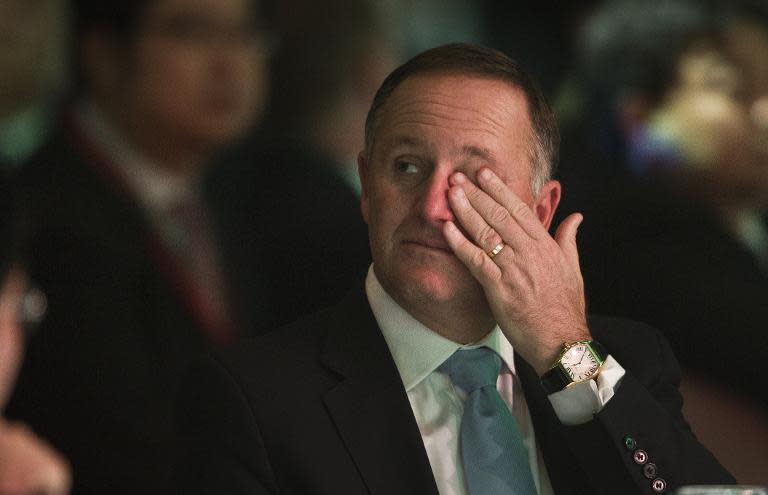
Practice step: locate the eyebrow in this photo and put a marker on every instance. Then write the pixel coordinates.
(477, 152)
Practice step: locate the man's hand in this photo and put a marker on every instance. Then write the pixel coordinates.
(28, 466)
(533, 285)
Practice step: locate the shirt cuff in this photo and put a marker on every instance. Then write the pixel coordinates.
(577, 404)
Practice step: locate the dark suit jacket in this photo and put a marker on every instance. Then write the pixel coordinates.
(319, 408)
(100, 375)
(669, 261)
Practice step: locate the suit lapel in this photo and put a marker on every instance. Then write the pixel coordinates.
(370, 407)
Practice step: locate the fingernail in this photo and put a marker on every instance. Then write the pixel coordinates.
(486, 174)
(459, 178)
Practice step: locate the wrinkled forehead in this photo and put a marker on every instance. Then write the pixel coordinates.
(489, 98)
(471, 114)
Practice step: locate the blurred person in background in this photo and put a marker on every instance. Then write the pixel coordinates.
(32, 37)
(123, 242)
(330, 59)
(539, 35)
(28, 465)
(678, 189)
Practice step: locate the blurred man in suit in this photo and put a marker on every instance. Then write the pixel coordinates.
(123, 244)
(674, 117)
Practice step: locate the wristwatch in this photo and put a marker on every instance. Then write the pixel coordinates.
(580, 361)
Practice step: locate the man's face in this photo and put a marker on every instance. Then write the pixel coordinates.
(197, 69)
(431, 127)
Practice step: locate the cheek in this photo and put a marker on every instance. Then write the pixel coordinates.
(380, 225)
(383, 224)
(170, 84)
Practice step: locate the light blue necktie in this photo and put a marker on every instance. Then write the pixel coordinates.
(492, 450)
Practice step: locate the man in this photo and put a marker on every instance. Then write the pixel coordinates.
(684, 188)
(122, 245)
(372, 396)
(671, 91)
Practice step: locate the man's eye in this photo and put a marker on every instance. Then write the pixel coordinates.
(407, 167)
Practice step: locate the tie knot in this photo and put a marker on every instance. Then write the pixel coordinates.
(472, 369)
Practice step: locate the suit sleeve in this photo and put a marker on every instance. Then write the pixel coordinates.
(219, 446)
(640, 439)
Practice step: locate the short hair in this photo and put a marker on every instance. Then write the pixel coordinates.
(121, 17)
(472, 60)
(118, 19)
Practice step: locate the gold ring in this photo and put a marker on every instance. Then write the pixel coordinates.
(496, 250)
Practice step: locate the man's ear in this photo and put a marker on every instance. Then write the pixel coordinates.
(363, 171)
(547, 201)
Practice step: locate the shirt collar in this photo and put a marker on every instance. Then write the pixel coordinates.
(156, 188)
(417, 350)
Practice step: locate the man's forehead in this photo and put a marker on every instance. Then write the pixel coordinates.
(449, 83)
(478, 117)
(468, 103)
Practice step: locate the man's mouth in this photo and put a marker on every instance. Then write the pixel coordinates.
(435, 244)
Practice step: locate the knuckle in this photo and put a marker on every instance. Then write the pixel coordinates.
(477, 259)
(497, 186)
(488, 236)
(472, 193)
(521, 210)
(498, 214)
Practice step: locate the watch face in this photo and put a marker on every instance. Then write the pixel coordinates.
(579, 363)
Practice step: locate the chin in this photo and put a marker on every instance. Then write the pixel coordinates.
(435, 284)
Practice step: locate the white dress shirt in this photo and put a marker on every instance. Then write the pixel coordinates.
(438, 405)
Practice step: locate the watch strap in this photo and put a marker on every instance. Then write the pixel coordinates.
(555, 380)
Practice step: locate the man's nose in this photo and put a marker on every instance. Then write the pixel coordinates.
(434, 205)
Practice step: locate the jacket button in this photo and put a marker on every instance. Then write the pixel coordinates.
(659, 485)
(629, 443)
(649, 470)
(640, 457)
